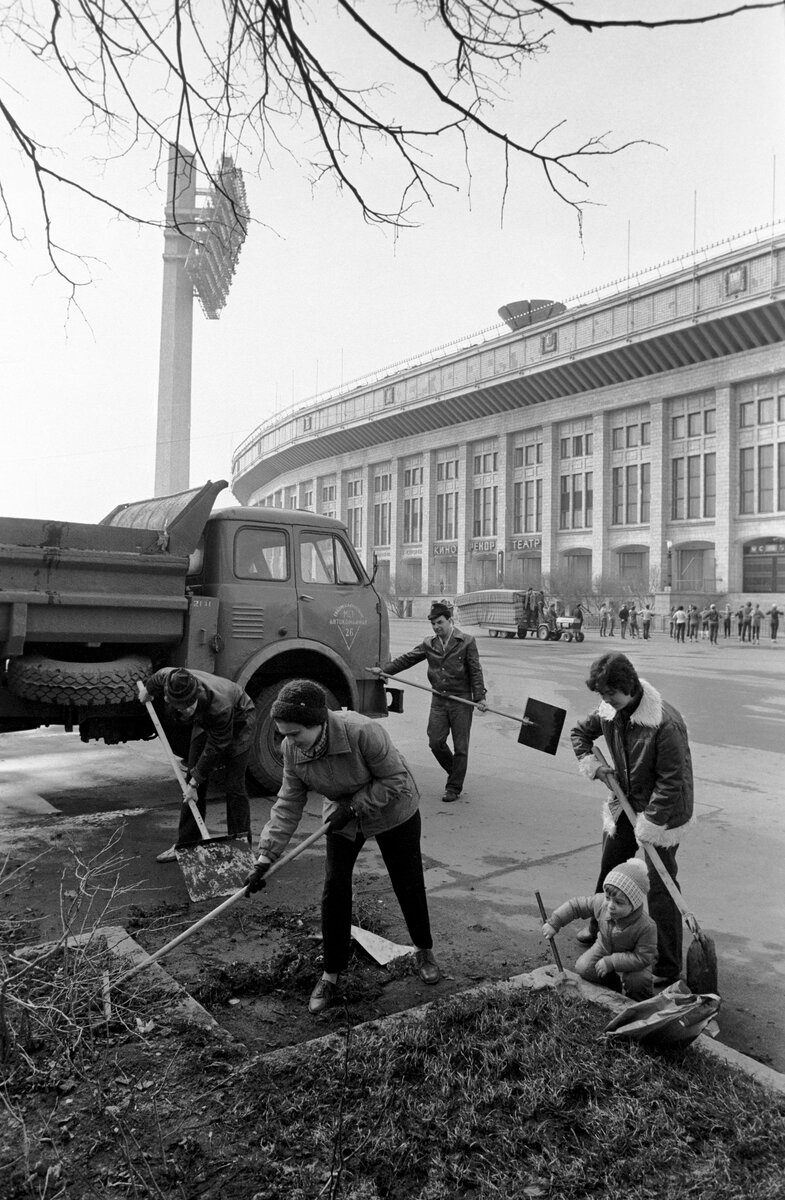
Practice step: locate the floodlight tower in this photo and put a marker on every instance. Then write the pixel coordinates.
(203, 234)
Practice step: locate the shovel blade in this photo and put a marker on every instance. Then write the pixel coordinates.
(542, 726)
(215, 867)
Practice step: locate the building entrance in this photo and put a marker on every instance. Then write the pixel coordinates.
(764, 565)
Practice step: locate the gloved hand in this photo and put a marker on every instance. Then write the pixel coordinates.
(190, 793)
(341, 817)
(255, 881)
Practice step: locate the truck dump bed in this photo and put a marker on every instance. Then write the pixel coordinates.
(121, 580)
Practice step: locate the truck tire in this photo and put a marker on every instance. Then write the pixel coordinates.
(265, 763)
(54, 681)
(543, 633)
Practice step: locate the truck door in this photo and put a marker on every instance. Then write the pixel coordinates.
(337, 603)
(259, 601)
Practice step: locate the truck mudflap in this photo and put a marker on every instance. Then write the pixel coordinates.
(377, 699)
(180, 519)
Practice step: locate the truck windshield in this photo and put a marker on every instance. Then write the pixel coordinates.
(325, 559)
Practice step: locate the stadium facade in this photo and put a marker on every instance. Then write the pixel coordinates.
(635, 433)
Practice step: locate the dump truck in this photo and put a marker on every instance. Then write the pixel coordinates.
(256, 595)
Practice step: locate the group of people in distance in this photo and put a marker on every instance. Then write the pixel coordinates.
(691, 623)
(634, 929)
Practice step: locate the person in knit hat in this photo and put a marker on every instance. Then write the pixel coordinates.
(453, 670)
(368, 791)
(625, 949)
(222, 718)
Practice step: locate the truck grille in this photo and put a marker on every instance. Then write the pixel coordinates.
(248, 622)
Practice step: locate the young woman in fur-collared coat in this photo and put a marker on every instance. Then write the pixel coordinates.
(647, 739)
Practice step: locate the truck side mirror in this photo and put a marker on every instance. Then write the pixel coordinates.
(375, 561)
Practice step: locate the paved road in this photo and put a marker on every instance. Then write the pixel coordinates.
(527, 822)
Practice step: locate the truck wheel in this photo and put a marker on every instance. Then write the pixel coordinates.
(543, 633)
(265, 763)
(53, 681)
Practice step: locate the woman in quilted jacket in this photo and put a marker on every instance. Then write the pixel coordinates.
(648, 743)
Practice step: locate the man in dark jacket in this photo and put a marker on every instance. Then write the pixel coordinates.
(453, 670)
(222, 716)
(648, 743)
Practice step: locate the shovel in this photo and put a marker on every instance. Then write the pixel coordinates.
(540, 726)
(215, 912)
(702, 954)
(216, 866)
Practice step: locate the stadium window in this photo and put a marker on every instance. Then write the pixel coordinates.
(746, 480)
(746, 414)
(766, 411)
(710, 420)
(694, 422)
(677, 428)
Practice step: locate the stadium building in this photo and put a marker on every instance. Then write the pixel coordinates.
(632, 434)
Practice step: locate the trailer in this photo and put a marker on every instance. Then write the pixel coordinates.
(503, 613)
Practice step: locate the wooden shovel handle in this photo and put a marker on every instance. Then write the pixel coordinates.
(178, 770)
(554, 948)
(460, 699)
(647, 847)
(238, 895)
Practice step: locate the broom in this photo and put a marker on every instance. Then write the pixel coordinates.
(702, 955)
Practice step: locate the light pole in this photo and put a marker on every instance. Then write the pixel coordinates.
(669, 584)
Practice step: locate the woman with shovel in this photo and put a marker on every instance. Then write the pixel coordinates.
(647, 740)
(453, 671)
(368, 791)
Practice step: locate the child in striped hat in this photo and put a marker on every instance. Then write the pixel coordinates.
(625, 949)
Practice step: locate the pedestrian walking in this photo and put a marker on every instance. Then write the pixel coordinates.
(624, 616)
(646, 616)
(713, 622)
(757, 621)
(222, 718)
(774, 615)
(453, 670)
(368, 791)
(650, 753)
(672, 621)
(625, 948)
(680, 623)
(746, 622)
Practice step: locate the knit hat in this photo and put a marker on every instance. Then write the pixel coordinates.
(181, 688)
(632, 879)
(302, 702)
(439, 609)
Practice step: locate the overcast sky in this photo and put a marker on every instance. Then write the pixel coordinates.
(320, 297)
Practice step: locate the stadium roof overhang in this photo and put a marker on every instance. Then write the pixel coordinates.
(641, 357)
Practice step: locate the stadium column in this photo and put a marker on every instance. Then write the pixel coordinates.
(550, 497)
(728, 573)
(658, 490)
(465, 499)
(396, 522)
(601, 500)
(503, 567)
(427, 534)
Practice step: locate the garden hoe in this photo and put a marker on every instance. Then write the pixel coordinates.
(702, 954)
(216, 866)
(540, 726)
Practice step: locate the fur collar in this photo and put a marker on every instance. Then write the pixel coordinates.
(648, 712)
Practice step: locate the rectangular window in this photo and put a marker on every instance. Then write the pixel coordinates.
(564, 503)
(407, 478)
(308, 499)
(746, 480)
(577, 501)
(564, 448)
(261, 554)
(746, 414)
(781, 408)
(646, 433)
(577, 446)
(781, 477)
(645, 493)
(766, 411)
(381, 524)
(533, 506)
(517, 508)
(677, 428)
(589, 440)
(632, 495)
(694, 486)
(328, 494)
(589, 506)
(766, 479)
(538, 504)
(617, 500)
(617, 439)
(382, 483)
(633, 435)
(517, 456)
(710, 485)
(439, 471)
(677, 489)
(710, 420)
(486, 511)
(694, 422)
(354, 522)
